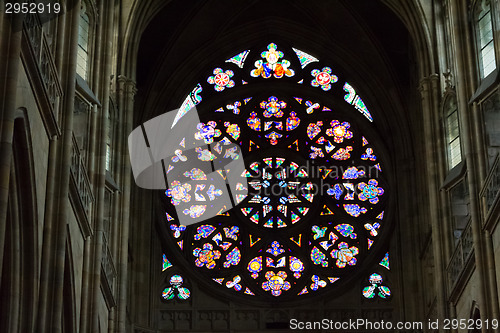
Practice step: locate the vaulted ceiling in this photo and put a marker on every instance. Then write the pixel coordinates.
(363, 40)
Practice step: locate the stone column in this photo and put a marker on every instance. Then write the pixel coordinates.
(66, 146)
(127, 92)
(102, 86)
(118, 144)
(86, 277)
(428, 90)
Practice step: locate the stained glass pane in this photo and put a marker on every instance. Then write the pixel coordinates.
(166, 263)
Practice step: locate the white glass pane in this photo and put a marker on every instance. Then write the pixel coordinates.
(452, 126)
(81, 63)
(485, 31)
(455, 153)
(488, 59)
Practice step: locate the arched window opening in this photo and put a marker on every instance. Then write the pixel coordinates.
(452, 128)
(19, 277)
(484, 35)
(82, 64)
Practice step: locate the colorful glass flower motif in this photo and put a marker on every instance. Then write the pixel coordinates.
(276, 283)
(354, 209)
(318, 257)
(273, 107)
(176, 286)
(372, 228)
(292, 122)
(323, 78)
(346, 230)
(342, 154)
(336, 191)
(207, 132)
(339, 131)
(205, 155)
(231, 153)
(317, 283)
(370, 191)
(178, 156)
(311, 107)
(206, 256)
(273, 137)
(203, 231)
(314, 129)
(275, 249)
(177, 229)
(235, 107)
(195, 174)
(376, 283)
(221, 79)
(233, 258)
(296, 266)
(233, 130)
(316, 152)
(353, 173)
(345, 255)
(235, 283)
(254, 122)
(213, 193)
(318, 232)
(195, 211)
(232, 232)
(255, 266)
(272, 65)
(179, 192)
(369, 155)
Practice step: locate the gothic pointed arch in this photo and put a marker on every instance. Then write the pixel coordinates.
(20, 265)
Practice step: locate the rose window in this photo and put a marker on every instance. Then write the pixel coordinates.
(315, 211)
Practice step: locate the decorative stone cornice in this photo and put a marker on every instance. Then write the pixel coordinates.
(423, 85)
(126, 85)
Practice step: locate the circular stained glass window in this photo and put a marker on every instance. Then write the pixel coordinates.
(307, 212)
